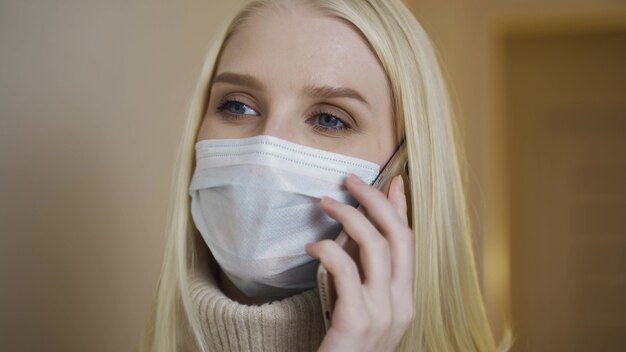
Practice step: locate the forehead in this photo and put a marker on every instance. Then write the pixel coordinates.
(301, 47)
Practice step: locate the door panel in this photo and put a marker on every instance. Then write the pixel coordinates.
(566, 120)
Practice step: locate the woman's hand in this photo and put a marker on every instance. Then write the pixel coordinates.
(374, 314)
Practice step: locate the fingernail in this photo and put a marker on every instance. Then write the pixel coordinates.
(355, 180)
(308, 247)
(328, 200)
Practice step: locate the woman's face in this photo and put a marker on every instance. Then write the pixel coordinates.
(304, 78)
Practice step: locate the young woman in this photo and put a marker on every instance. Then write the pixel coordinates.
(299, 105)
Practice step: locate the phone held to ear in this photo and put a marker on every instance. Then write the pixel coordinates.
(328, 296)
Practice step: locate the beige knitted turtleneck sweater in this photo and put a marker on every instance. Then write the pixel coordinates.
(291, 324)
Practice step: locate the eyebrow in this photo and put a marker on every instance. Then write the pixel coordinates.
(334, 92)
(318, 92)
(240, 80)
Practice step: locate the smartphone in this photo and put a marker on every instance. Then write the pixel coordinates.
(397, 164)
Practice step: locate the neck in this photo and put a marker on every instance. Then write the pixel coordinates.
(232, 292)
(228, 287)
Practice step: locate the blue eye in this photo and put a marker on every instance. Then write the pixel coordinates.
(236, 109)
(329, 121)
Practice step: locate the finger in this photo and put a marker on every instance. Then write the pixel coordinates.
(385, 216)
(344, 271)
(402, 306)
(397, 197)
(373, 247)
(378, 208)
(403, 250)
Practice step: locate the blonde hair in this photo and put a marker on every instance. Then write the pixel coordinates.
(449, 311)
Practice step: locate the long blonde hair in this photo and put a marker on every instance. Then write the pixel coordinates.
(450, 314)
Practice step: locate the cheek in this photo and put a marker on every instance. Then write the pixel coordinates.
(209, 129)
(204, 132)
(385, 149)
(212, 127)
(379, 143)
(376, 147)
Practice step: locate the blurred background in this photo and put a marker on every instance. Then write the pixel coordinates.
(92, 99)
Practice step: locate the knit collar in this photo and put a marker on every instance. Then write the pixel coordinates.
(291, 324)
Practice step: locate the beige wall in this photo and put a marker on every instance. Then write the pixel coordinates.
(92, 97)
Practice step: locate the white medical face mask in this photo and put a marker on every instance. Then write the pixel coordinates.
(255, 202)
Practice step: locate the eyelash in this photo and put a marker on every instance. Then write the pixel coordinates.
(322, 129)
(328, 130)
(227, 114)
